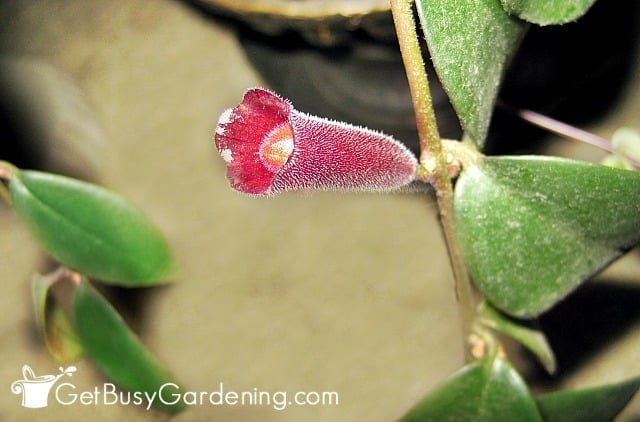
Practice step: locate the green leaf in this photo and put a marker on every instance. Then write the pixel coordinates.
(485, 390)
(116, 350)
(547, 12)
(531, 338)
(90, 229)
(470, 42)
(596, 404)
(58, 334)
(531, 229)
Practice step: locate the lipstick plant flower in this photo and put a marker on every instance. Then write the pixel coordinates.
(270, 147)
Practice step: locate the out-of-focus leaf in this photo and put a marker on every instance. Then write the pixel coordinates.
(53, 323)
(116, 350)
(547, 12)
(531, 229)
(90, 229)
(470, 42)
(627, 142)
(627, 145)
(485, 390)
(617, 161)
(595, 404)
(531, 338)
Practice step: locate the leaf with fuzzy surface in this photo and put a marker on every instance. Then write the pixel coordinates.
(470, 42)
(532, 229)
(548, 12)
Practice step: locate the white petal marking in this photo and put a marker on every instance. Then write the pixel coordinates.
(227, 156)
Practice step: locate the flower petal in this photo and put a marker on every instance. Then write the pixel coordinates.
(242, 133)
(270, 147)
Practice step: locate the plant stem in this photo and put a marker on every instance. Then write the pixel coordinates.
(565, 130)
(432, 158)
(568, 131)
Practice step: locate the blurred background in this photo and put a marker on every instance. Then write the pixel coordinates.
(305, 291)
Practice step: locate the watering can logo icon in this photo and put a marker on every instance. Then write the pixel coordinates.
(35, 389)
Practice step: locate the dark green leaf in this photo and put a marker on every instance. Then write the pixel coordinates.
(588, 405)
(486, 390)
(57, 332)
(90, 229)
(532, 228)
(531, 338)
(116, 350)
(547, 12)
(470, 42)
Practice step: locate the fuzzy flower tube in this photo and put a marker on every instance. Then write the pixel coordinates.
(270, 147)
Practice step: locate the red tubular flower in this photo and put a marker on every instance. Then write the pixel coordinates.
(270, 147)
